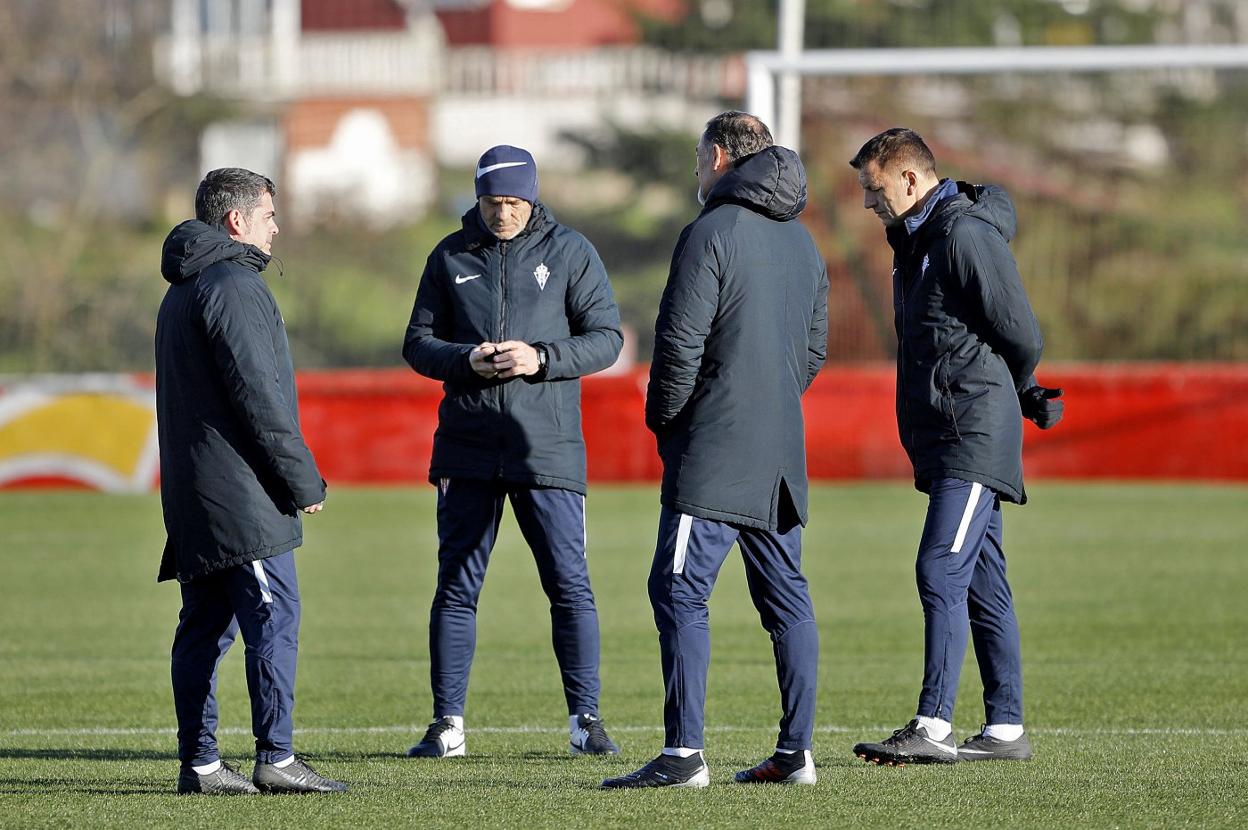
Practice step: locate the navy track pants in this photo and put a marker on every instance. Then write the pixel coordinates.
(961, 577)
(687, 560)
(261, 600)
(552, 522)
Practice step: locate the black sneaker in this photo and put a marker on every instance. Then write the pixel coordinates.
(295, 777)
(909, 745)
(664, 771)
(443, 739)
(225, 781)
(589, 737)
(781, 768)
(983, 748)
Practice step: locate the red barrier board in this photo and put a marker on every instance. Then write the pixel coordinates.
(1163, 421)
(1128, 421)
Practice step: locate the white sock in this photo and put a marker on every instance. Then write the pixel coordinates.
(458, 720)
(208, 769)
(1004, 731)
(285, 762)
(937, 729)
(680, 751)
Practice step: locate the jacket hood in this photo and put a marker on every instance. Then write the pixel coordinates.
(771, 182)
(985, 202)
(477, 234)
(194, 245)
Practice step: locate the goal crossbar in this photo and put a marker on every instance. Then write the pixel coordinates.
(763, 67)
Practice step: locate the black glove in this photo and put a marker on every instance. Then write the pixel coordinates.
(1041, 406)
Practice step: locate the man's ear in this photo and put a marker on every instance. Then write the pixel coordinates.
(912, 178)
(234, 225)
(719, 158)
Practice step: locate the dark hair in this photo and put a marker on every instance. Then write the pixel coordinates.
(739, 133)
(897, 145)
(230, 188)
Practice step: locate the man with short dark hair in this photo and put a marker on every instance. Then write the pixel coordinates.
(968, 344)
(512, 310)
(234, 475)
(741, 334)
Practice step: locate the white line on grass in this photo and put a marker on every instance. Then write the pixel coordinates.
(537, 730)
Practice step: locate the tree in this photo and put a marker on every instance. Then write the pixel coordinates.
(78, 95)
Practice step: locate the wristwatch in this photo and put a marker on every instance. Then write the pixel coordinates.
(543, 361)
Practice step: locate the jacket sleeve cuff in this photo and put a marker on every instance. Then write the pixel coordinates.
(308, 496)
(544, 357)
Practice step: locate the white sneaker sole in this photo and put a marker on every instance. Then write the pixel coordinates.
(702, 778)
(804, 776)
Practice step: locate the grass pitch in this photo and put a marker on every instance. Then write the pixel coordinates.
(1132, 601)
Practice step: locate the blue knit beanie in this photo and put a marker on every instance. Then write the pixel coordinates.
(507, 171)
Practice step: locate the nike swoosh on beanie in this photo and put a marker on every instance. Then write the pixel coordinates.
(481, 171)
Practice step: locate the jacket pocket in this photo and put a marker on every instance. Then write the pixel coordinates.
(948, 406)
(464, 415)
(556, 394)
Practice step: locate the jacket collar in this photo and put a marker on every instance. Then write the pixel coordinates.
(946, 188)
(771, 182)
(477, 235)
(192, 246)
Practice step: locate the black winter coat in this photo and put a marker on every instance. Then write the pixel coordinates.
(968, 342)
(547, 286)
(741, 333)
(234, 468)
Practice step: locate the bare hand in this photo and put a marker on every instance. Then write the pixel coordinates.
(480, 360)
(515, 358)
(314, 508)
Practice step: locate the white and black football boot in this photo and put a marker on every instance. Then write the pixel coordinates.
(443, 739)
(588, 737)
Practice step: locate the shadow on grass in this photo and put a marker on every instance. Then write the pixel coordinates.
(80, 754)
(43, 787)
(531, 756)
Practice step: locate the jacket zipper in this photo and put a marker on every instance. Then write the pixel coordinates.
(502, 312)
(901, 341)
(502, 335)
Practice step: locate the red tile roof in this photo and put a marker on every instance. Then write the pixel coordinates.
(346, 15)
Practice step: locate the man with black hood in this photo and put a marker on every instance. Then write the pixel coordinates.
(741, 334)
(968, 344)
(234, 475)
(512, 310)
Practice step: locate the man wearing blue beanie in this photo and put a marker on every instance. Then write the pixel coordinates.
(512, 310)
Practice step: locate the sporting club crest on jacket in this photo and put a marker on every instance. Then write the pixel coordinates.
(541, 274)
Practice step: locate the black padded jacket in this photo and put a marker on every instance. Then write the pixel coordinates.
(546, 285)
(968, 342)
(234, 468)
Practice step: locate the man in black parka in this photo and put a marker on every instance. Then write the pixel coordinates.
(741, 333)
(512, 310)
(968, 344)
(234, 475)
